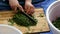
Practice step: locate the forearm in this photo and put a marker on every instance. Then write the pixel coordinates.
(28, 1)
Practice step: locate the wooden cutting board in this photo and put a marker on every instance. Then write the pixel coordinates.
(41, 26)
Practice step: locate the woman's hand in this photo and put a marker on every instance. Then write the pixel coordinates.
(29, 8)
(14, 5)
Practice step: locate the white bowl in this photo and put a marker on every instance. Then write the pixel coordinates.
(6, 29)
(52, 13)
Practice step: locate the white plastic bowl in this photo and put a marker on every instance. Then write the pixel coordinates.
(6, 29)
(52, 13)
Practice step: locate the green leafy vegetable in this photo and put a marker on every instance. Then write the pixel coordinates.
(22, 20)
(41, 15)
(56, 23)
(11, 22)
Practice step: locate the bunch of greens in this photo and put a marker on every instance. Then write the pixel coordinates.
(56, 23)
(22, 20)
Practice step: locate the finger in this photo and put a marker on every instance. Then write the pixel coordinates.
(32, 10)
(25, 8)
(20, 8)
(14, 8)
(28, 10)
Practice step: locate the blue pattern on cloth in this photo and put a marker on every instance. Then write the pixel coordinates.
(44, 4)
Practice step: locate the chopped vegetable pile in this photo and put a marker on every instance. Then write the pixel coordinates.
(22, 20)
(56, 23)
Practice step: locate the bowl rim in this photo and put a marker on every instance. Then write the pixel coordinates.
(47, 16)
(11, 27)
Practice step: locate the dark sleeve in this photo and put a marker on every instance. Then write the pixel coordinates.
(4, 5)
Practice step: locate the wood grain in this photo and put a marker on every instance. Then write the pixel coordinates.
(41, 26)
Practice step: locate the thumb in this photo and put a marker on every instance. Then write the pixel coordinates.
(14, 8)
